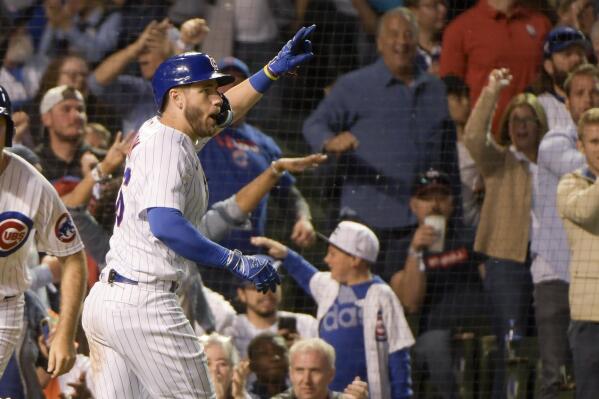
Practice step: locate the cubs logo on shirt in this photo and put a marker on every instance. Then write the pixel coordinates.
(14, 231)
(65, 229)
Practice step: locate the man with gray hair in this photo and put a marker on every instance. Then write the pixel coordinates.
(385, 123)
(311, 370)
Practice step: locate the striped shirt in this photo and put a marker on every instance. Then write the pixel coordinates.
(162, 170)
(30, 209)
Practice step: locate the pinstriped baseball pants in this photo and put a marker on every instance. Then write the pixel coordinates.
(11, 325)
(142, 345)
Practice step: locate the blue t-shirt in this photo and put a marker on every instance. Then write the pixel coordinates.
(231, 160)
(342, 327)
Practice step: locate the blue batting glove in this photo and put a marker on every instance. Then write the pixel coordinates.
(297, 51)
(257, 268)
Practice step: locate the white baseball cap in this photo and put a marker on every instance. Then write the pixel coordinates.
(58, 94)
(355, 239)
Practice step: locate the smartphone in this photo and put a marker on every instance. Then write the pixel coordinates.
(288, 323)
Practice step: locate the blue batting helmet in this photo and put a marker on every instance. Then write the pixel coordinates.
(6, 112)
(185, 69)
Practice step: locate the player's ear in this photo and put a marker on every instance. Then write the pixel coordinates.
(176, 97)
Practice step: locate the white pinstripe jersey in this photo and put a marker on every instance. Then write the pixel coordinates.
(162, 170)
(30, 209)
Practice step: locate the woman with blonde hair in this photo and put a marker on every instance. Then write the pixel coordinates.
(508, 167)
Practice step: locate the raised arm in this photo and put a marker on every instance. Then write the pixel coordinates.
(224, 215)
(246, 94)
(477, 137)
(115, 156)
(153, 35)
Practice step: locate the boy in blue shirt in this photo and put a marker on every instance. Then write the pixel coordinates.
(358, 313)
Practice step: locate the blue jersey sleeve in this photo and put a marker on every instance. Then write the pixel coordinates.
(400, 374)
(300, 269)
(170, 227)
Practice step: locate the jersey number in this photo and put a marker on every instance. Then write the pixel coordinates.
(120, 200)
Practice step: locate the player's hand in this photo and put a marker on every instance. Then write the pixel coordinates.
(297, 165)
(424, 237)
(194, 31)
(62, 355)
(498, 80)
(297, 51)
(343, 142)
(358, 389)
(256, 268)
(274, 248)
(303, 234)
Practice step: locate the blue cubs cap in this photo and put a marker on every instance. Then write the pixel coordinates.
(561, 38)
(184, 69)
(234, 63)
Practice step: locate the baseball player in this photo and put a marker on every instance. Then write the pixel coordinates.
(31, 209)
(141, 343)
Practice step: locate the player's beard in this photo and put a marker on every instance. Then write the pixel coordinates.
(195, 118)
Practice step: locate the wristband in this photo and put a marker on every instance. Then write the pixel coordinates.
(414, 253)
(271, 75)
(98, 175)
(277, 172)
(262, 80)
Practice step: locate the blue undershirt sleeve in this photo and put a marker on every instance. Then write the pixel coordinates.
(300, 269)
(174, 231)
(400, 374)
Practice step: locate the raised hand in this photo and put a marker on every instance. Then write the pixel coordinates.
(274, 248)
(498, 80)
(297, 51)
(303, 233)
(296, 165)
(193, 31)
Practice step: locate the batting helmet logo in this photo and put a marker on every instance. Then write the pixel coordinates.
(14, 231)
(65, 229)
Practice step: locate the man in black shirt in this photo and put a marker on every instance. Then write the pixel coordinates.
(63, 114)
(439, 278)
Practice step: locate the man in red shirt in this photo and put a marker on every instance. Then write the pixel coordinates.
(495, 34)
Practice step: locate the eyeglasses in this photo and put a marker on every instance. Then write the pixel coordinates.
(527, 120)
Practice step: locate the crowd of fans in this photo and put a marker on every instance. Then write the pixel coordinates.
(444, 130)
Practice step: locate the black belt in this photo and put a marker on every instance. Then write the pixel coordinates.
(114, 277)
